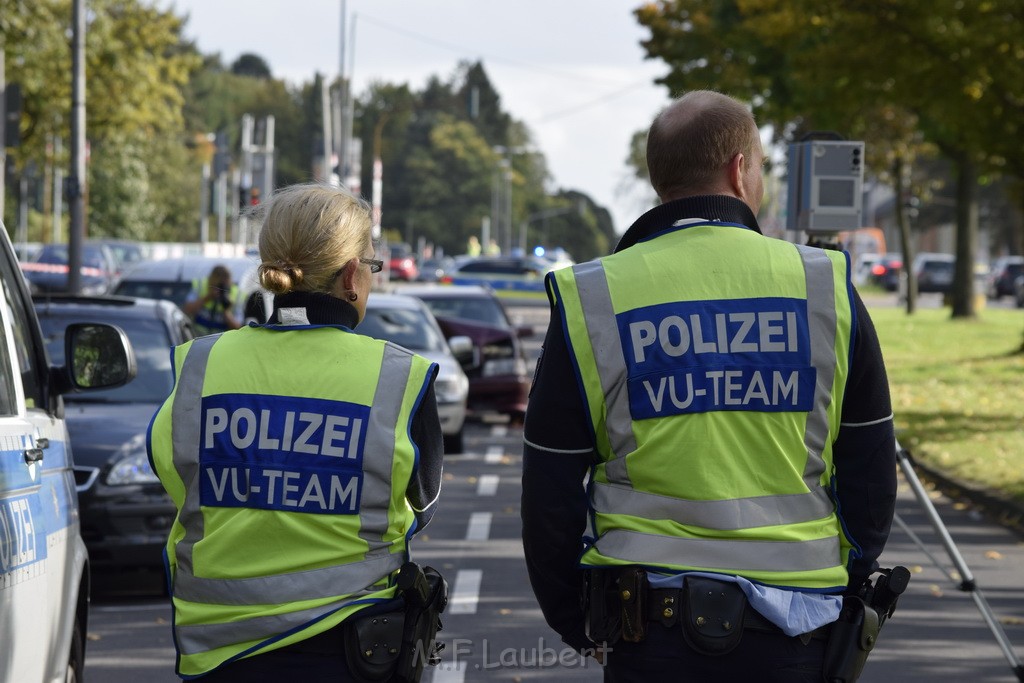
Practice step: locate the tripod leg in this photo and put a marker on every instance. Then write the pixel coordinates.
(967, 582)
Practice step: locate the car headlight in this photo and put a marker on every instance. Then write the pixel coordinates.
(504, 366)
(94, 289)
(451, 389)
(134, 469)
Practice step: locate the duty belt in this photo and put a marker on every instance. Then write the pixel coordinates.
(664, 605)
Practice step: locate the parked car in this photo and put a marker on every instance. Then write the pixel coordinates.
(125, 513)
(1002, 275)
(934, 272)
(406, 321)
(402, 263)
(886, 272)
(862, 268)
(48, 272)
(507, 276)
(44, 565)
(126, 252)
(433, 269)
(172, 278)
(499, 381)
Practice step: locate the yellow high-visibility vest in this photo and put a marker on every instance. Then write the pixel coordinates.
(713, 362)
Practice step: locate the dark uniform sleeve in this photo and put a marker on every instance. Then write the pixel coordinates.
(425, 485)
(865, 452)
(557, 455)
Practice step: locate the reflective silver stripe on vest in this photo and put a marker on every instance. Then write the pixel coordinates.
(767, 556)
(297, 586)
(375, 497)
(618, 496)
(599, 318)
(821, 314)
(197, 639)
(740, 513)
(186, 419)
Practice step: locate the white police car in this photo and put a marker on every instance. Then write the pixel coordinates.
(44, 574)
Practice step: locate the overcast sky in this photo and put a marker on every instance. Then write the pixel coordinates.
(572, 70)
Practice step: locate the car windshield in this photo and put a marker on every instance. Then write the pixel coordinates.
(477, 309)
(57, 254)
(176, 292)
(403, 326)
(150, 342)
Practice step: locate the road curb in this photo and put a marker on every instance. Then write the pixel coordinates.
(995, 506)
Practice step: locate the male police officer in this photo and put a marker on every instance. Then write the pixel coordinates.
(211, 302)
(726, 394)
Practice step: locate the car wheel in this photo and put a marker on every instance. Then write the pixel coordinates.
(454, 443)
(76, 658)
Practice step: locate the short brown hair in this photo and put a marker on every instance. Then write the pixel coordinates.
(692, 138)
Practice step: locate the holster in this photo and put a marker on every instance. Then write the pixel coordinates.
(426, 595)
(713, 616)
(633, 600)
(601, 610)
(373, 642)
(853, 637)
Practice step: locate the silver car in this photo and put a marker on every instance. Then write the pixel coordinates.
(406, 321)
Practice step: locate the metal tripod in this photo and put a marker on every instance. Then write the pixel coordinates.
(967, 583)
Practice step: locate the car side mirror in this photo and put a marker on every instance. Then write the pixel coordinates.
(96, 356)
(464, 350)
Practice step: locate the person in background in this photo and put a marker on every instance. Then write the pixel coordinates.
(211, 302)
(302, 458)
(709, 438)
(473, 246)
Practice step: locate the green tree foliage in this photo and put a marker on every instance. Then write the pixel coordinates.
(944, 72)
(136, 66)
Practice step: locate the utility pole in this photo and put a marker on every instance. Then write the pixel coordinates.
(75, 187)
(341, 126)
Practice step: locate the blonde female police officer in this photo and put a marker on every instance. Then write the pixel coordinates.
(301, 456)
(727, 394)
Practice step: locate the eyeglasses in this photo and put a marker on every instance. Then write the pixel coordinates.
(376, 265)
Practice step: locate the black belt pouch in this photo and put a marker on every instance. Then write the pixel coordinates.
(713, 615)
(373, 641)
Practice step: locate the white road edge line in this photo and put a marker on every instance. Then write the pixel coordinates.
(479, 528)
(487, 485)
(466, 594)
(494, 455)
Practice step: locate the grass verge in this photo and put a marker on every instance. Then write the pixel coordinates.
(958, 392)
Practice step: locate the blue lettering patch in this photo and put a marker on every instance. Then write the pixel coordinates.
(22, 533)
(702, 356)
(282, 453)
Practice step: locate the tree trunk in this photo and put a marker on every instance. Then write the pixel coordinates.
(962, 295)
(904, 228)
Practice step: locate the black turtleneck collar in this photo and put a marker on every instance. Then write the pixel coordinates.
(321, 308)
(713, 207)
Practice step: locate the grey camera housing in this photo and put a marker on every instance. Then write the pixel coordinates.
(826, 180)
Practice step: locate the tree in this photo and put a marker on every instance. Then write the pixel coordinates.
(252, 66)
(136, 65)
(806, 63)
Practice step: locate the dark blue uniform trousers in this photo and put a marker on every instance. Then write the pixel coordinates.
(760, 657)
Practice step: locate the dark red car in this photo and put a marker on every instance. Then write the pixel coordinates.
(499, 380)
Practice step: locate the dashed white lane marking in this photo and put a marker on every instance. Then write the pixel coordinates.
(494, 455)
(466, 594)
(479, 528)
(447, 671)
(487, 485)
